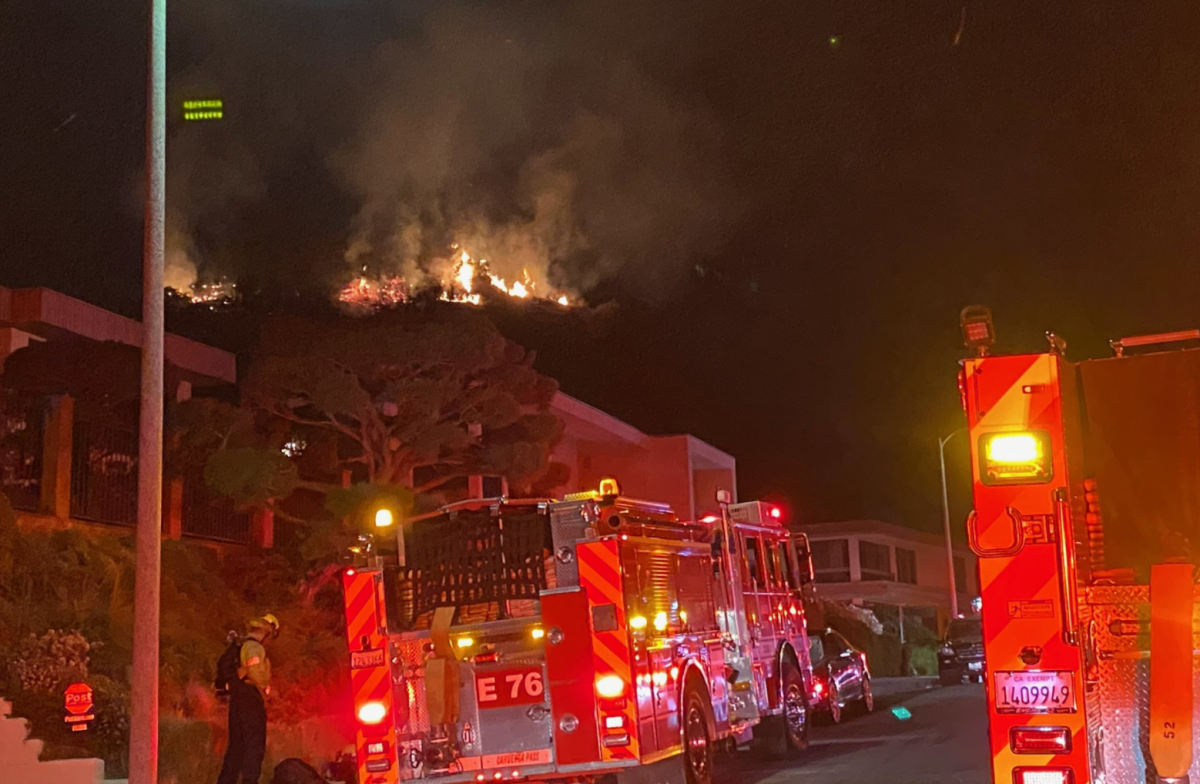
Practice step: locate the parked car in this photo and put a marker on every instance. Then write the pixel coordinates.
(961, 653)
(840, 674)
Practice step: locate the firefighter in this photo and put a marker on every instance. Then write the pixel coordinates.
(247, 706)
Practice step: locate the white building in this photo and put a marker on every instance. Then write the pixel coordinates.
(872, 563)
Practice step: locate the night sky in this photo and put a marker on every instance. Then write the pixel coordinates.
(783, 204)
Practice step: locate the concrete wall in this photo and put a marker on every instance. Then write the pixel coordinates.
(20, 755)
(678, 470)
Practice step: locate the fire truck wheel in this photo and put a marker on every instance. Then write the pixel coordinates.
(778, 736)
(697, 745)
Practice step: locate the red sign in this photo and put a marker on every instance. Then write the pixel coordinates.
(78, 699)
(501, 688)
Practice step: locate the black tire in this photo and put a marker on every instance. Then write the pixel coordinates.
(697, 737)
(786, 734)
(950, 677)
(836, 711)
(868, 696)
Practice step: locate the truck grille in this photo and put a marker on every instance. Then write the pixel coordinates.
(969, 650)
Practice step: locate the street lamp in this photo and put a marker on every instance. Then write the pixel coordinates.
(946, 524)
(143, 719)
(384, 517)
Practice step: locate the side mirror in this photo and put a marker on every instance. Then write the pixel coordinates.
(718, 550)
(804, 556)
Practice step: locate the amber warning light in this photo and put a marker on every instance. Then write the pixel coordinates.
(1016, 458)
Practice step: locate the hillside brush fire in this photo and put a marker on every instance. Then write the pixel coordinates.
(457, 276)
(460, 278)
(1087, 522)
(597, 636)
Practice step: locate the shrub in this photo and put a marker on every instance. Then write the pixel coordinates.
(924, 660)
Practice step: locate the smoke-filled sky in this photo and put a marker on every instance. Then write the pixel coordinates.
(790, 201)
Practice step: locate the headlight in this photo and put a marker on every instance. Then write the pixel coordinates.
(945, 650)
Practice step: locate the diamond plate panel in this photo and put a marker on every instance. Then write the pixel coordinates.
(1118, 698)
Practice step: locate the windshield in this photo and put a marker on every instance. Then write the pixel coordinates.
(966, 630)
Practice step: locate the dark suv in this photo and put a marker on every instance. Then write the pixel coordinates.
(961, 653)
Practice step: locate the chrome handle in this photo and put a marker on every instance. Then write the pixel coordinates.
(1018, 536)
(1066, 566)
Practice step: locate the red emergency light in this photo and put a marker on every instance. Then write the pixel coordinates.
(1041, 740)
(372, 713)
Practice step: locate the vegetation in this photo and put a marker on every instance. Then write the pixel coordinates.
(880, 640)
(375, 402)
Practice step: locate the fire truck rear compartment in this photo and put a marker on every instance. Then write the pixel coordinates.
(1140, 418)
(503, 724)
(1141, 438)
(491, 568)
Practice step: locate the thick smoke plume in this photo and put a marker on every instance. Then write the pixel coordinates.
(543, 137)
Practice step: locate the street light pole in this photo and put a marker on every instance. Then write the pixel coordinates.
(946, 525)
(143, 720)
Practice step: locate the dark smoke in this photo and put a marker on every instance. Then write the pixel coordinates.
(545, 136)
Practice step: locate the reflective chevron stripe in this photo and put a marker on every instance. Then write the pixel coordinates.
(366, 630)
(1021, 592)
(600, 578)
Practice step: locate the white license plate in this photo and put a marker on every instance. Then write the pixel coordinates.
(1035, 692)
(975, 666)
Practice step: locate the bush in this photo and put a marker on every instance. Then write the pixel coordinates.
(883, 650)
(81, 583)
(188, 752)
(924, 660)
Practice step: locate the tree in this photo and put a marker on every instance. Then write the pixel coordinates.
(438, 397)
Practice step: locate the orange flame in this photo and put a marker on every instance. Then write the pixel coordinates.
(459, 283)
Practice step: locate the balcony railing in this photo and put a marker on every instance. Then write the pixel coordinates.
(104, 481)
(206, 516)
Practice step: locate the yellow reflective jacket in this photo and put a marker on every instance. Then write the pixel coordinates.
(256, 667)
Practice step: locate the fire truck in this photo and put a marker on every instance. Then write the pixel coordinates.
(1086, 523)
(594, 637)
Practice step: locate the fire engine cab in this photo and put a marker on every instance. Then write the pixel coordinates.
(592, 637)
(1086, 522)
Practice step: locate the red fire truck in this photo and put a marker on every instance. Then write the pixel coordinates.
(1087, 527)
(572, 640)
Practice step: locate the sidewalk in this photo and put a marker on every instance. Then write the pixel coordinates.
(887, 687)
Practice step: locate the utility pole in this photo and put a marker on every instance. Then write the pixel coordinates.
(946, 525)
(143, 723)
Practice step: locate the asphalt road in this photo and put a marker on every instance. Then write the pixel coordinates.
(944, 742)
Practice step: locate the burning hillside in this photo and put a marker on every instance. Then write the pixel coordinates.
(459, 278)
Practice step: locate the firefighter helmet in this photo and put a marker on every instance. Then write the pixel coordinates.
(268, 623)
